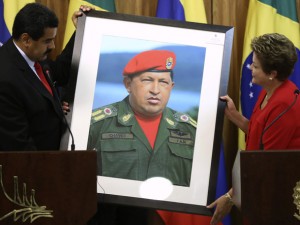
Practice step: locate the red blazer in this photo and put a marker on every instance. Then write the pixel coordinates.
(285, 132)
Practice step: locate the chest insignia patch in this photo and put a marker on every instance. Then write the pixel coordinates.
(126, 117)
(181, 141)
(180, 134)
(171, 122)
(117, 136)
(184, 118)
(97, 118)
(180, 137)
(97, 112)
(108, 111)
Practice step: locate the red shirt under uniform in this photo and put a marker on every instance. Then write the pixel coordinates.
(285, 132)
(150, 127)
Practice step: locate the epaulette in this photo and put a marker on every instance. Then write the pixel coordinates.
(181, 117)
(103, 113)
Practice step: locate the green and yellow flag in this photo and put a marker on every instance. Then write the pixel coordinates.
(103, 5)
(266, 16)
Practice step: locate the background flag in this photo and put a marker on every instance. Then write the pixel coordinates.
(185, 10)
(8, 11)
(103, 5)
(266, 16)
(192, 11)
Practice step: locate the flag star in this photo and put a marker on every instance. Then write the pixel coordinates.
(248, 66)
(250, 84)
(251, 94)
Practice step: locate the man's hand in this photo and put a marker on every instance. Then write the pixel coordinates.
(65, 107)
(79, 13)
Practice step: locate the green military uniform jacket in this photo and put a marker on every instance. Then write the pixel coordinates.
(124, 151)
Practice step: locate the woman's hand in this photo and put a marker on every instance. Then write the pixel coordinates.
(223, 207)
(230, 106)
(234, 115)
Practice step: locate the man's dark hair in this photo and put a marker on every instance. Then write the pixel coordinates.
(33, 18)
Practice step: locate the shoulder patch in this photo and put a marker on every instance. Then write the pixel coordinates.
(185, 118)
(103, 113)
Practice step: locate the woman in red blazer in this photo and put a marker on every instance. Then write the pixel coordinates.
(275, 121)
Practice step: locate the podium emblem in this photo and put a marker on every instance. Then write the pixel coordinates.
(26, 208)
(296, 197)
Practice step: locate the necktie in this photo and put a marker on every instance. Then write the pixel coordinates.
(41, 75)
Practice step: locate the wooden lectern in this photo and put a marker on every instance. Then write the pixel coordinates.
(266, 186)
(48, 188)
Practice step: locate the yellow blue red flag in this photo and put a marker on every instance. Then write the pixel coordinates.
(266, 16)
(8, 11)
(192, 11)
(184, 10)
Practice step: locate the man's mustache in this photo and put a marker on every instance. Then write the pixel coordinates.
(48, 51)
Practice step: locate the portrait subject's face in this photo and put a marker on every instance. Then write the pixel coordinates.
(149, 92)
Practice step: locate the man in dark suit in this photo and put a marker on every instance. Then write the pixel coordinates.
(31, 116)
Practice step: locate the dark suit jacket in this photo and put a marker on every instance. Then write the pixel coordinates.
(30, 117)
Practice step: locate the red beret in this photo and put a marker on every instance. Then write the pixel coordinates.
(153, 60)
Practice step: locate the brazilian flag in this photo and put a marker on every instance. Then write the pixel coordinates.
(103, 5)
(266, 16)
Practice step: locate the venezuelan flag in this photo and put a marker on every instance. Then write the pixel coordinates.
(266, 16)
(8, 12)
(184, 10)
(102, 5)
(192, 11)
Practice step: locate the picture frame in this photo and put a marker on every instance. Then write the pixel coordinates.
(106, 41)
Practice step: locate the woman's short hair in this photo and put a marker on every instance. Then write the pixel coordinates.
(275, 52)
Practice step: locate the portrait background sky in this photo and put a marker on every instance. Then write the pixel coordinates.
(117, 51)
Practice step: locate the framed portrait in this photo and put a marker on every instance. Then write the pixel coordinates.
(104, 44)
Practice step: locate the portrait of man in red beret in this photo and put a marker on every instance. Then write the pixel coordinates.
(140, 137)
